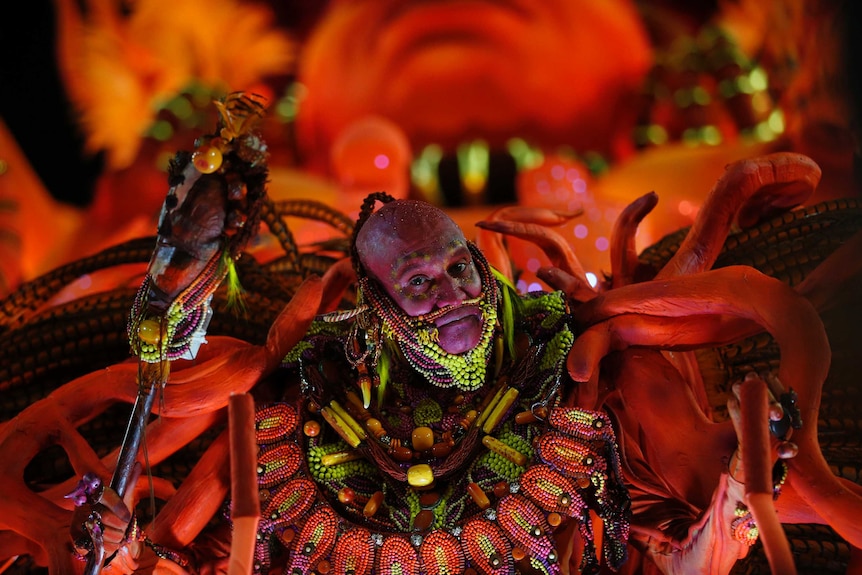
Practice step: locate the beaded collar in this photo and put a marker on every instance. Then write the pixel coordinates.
(343, 486)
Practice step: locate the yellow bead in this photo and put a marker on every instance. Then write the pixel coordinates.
(149, 331)
(423, 438)
(420, 475)
(478, 495)
(207, 159)
(504, 450)
(374, 427)
(334, 458)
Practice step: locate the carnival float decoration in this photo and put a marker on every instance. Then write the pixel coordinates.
(745, 289)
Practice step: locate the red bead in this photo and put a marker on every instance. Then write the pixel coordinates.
(429, 499)
(441, 449)
(423, 520)
(311, 428)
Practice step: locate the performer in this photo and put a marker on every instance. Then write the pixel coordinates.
(431, 430)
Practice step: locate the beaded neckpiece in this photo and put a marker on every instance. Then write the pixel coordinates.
(435, 480)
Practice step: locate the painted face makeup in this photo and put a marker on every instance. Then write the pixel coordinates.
(421, 259)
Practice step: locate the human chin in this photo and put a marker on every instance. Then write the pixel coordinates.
(460, 335)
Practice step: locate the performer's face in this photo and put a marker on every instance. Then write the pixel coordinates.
(421, 259)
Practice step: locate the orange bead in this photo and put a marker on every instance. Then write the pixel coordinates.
(423, 438)
(525, 417)
(554, 519)
(149, 331)
(401, 453)
(311, 428)
(429, 499)
(441, 449)
(207, 159)
(374, 427)
(468, 419)
(324, 567)
(478, 495)
(518, 553)
(423, 520)
(373, 504)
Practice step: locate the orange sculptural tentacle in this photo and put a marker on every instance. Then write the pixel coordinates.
(837, 279)
(245, 500)
(336, 281)
(634, 316)
(490, 242)
(735, 291)
(197, 390)
(757, 461)
(555, 247)
(624, 256)
(197, 499)
(748, 190)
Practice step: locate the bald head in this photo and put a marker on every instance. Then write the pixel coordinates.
(397, 227)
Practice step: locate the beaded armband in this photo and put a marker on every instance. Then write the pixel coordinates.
(163, 552)
(743, 527)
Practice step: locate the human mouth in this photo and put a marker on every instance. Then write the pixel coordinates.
(459, 314)
(460, 330)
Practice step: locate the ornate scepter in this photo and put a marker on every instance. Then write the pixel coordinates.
(211, 211)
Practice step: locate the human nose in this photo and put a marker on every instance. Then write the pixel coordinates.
(449, 293)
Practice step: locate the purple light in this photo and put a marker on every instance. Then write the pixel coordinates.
(381, 161)
(580, 186)
(558, 171)
(602, 243)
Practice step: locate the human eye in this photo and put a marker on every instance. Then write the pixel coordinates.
(418, 281)
(458, 269)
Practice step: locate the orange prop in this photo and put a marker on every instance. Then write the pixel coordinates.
(245, 501)
(757, 459)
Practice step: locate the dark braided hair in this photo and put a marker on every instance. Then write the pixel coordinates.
(364, 213)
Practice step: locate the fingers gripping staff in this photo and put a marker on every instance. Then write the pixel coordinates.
(212, 209)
